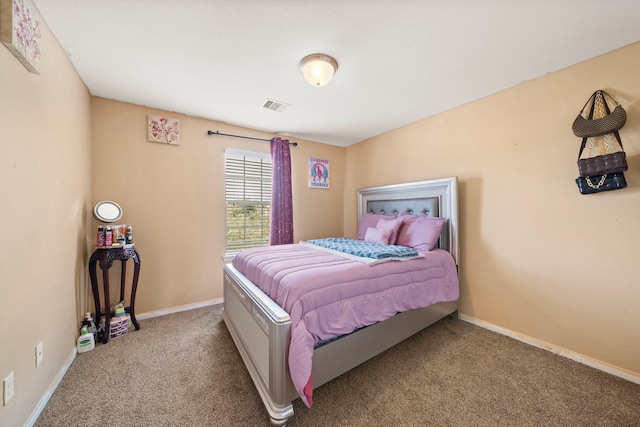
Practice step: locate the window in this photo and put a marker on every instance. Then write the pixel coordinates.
(248, 199)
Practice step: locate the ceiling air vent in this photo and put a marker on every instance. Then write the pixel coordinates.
(273, 105)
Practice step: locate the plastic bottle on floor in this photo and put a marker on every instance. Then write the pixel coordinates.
(90, 324)
(86, 342)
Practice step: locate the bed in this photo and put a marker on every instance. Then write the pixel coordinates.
(262, 329)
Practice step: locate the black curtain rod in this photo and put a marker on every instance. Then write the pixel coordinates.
(210, 132)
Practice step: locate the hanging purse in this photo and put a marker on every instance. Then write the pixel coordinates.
(601, 172)
(609, 123)
(606, 163)
(599, 183)
(609, 155)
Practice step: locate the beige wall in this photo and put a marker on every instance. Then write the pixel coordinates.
(537, 257)
(45, 184)
(174, 197)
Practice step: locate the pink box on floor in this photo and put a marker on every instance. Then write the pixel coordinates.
(118, 326)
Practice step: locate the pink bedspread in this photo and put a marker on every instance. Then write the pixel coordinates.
(327, 295)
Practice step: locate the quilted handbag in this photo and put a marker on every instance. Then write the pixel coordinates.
(612, 121)
(604, 154)
(599, 183)
(609, 162)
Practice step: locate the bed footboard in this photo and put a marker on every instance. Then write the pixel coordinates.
(261, 332)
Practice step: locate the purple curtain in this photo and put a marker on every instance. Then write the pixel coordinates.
(281, 196)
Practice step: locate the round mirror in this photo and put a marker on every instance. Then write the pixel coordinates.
(107, 212)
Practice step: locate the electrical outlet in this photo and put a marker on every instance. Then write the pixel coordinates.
(7, 385)
(39, 354)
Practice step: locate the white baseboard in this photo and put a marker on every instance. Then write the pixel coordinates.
(164, 312)
(52, 387)
(554, 349)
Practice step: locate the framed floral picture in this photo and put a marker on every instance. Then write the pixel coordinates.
(163, 129)
(20, 32)
(318, 173)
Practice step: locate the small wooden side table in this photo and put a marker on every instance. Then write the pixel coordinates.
(105, 257)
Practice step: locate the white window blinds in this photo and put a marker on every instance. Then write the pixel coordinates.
(248, 199)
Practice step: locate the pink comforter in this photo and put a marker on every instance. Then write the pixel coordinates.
(327, 295)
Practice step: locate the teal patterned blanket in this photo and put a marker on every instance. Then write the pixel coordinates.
(358, 248)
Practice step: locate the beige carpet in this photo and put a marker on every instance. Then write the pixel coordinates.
(184, 370)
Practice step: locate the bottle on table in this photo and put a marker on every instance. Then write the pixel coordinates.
(100, 238)
(108, 237)
(129, 235)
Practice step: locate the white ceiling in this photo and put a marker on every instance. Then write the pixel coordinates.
(399, 60)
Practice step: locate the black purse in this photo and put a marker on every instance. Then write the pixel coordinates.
(599, 183)
(612, 121)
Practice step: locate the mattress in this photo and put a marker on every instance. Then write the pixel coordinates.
(327, 295)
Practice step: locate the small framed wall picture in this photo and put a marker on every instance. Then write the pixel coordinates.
(163, 129)
(318, 173)
(20, 32)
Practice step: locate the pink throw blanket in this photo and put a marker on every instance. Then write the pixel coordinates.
(327, 295)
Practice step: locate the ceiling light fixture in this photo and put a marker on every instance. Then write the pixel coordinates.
(318, 69)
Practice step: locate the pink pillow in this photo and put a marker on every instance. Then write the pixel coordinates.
(377, 235)
(393, 225)
(369, 220)
(420, 233)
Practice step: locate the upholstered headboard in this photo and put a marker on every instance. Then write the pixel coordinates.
(437, 197)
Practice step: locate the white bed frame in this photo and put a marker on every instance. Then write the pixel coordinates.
(261, 329)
